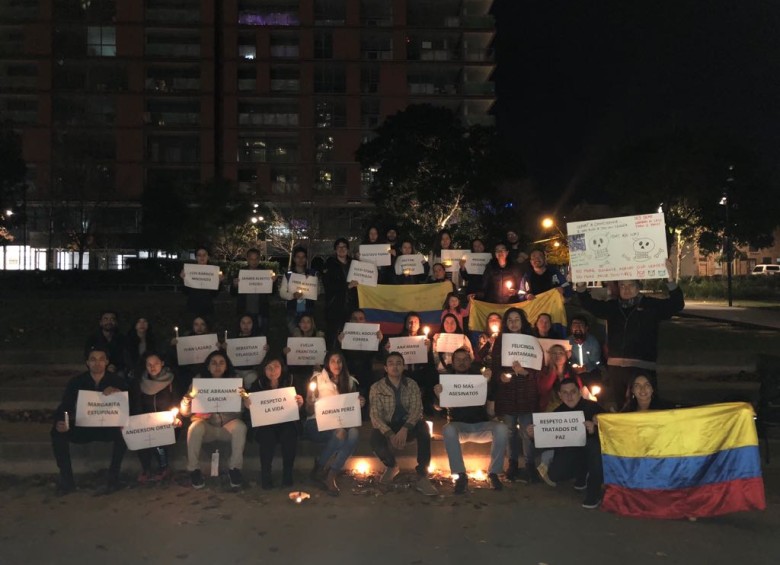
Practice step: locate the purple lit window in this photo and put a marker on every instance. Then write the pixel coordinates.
(268, 19)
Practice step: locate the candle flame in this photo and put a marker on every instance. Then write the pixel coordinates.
(312, 386)
(509, 285)
(363, 468)
(426, 331)
(480, 475)
(430, 427)
(595, 389)
(494, 328)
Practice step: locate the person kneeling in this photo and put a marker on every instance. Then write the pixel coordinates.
(396, 411)
(63, 433)
(583, 464)
(473, 424)
(218, 426)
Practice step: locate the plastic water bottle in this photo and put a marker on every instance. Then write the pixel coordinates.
(215, 463)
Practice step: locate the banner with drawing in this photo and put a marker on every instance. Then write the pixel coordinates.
(617, 249)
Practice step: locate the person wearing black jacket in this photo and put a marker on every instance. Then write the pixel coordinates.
(200, 301)
(340, 294)
(501, 279)
(256, 304)
(64, 432)
(632, 330)
(472, 423)
(108, 339)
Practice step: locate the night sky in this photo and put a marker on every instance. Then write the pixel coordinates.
(577, 78)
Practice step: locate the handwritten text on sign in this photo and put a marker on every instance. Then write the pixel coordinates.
(255, 281)
(559, 429)
(378, 254)
(409, 265)
(245, 351)
(273, 407)
(447, 343)
(338, 411)
(149, 430)
(306, 350)
(193, 349)
(616, 249)
(97, 410)
(476, 262)
(522, 348)
(216, 395)
(362, 272)
(307, 286)
(201, 276)
(360, 337)
(462, 390)
(450, 259)
(412, 348)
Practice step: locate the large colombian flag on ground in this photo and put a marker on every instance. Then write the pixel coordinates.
(550, 302)
(681, 463)
(388, 305)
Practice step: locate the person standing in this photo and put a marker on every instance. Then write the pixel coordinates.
(107, 338)
(255, 304)
(200, 301)
(501, 279)
(340, 294)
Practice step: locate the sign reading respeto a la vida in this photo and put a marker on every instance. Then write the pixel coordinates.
(276, 406)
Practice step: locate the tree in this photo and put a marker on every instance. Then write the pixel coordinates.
(287, 228)
(699, 180)
(430, 172)
(13, 171)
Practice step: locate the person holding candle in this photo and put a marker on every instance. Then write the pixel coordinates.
(218, 426)
(254, 303)
(200, 301)
(444, 241)
(585, 348)
(153, 391)
(501, 279)
(360, 363)
(185, 373)
(274, 375)
(471, 423)
(514, 389)
(340, 443)
(473, 283)
(64, 431)
(397, 417)
(485, 349)
(305, 327)
(297, 305)
(541, 277)
(449, 325)
(403, 275)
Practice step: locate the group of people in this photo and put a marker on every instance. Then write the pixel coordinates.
(398, 398)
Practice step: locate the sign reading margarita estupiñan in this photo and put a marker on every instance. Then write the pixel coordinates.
(97, 410)
(362, 272)
(307, 286)
(559, 429)
(273, 407)
(193, 349)
(411, 348)
(338, 411)
(216, 395)
(245, 351)
(255, 281)
(522, 348)
(360, 337)
(149, 430)
(617, 249)
(306, 350)
(462, 390)
(205, 277)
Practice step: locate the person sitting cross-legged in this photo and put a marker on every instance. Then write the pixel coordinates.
(472, 423)
(583, 464)
(396, 413)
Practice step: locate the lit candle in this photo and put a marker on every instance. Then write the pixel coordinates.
(595, 390)
(464, 258)
(480, 475)
(494, 328)
(312, 386)
(363, 468)
(407, 272)
(430, 427)
(509, 285)
(67, 422)
(508, 375)
(431, 468)
(176, 331)
(225, 335)
(426, 331)
(447, 262)
(174, 413)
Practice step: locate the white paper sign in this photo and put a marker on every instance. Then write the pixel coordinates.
(450, 258)
(378, 254)
(149, 430)
(216, 395)
(408, 265)
(362, 273)
(338, 411)
(523, 348)
(245, 351)
(476, 262)
(273, 407)
(255, 281)
(193, 349)
(462, 390)
(360, 337)
(547, 343)
(306, 350)
(201, 276)
(308, 286)
(616, 249)
(97, 410)
(559, 429)
(412, 348)
(448, 343)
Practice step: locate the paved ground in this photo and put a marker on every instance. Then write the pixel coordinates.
(750, 316)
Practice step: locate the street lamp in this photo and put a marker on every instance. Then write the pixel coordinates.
(547, 223)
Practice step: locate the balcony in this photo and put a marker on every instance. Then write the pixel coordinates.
(478, 89)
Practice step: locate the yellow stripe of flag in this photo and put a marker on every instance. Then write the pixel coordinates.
(550, 302)
(405, 297)
(678, 433)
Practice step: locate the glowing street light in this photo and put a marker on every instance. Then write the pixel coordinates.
(547, 223)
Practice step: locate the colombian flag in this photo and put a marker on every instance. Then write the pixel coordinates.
(388, 304)
(550, 302)
(682, 463)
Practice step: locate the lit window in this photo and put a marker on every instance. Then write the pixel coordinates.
(101, 41)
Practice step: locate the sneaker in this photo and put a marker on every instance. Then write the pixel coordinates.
(163, 474)
(424, 486)
(461, 483)
(236, 480)
(196, 478)
(144, 477)
(522, 476)
(389, 474)
(543, 473)
(592, 502)
(581, 484)
(495, 482)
